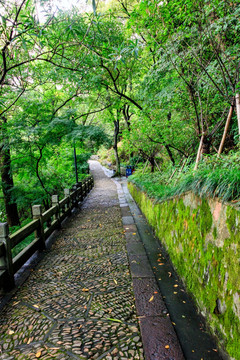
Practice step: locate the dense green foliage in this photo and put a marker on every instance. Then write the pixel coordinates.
(155, 76)
(151, 81)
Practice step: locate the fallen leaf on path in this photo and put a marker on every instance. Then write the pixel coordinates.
(151, 298)
(115, 320)
(30, 340)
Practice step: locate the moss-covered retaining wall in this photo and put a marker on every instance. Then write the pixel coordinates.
(202, 238)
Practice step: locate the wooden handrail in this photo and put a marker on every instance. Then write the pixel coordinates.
(23, 233)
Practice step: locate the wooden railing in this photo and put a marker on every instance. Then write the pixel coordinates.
(43, 225)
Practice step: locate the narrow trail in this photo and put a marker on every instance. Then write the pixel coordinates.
(90, 292)
(78, 303)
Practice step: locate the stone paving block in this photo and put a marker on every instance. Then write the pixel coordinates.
(135, 248)
(149, 301)
(123, 204)
(131, 228)
(108, 283)
(21, 324)
(128, 220)
(159, 339)
(125, 211)
(46, 352)
(91, 338)
(139, 266)
(118, 304)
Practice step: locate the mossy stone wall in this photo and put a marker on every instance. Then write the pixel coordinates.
(202, 238)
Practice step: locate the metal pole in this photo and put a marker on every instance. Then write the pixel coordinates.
(75, 163)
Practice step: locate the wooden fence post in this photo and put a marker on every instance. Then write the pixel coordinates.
(55, 202)
(68, 205)
(79, 186)
(88, 185)
(8, 265)
(84, 189)
(39, 233)
(75, 202)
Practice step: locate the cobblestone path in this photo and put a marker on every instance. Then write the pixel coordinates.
(78, 302)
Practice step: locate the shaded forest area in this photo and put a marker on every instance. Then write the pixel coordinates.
(156, 82)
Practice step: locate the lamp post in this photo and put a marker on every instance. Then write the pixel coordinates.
(75, 163)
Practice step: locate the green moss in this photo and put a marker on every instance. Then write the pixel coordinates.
(214, 233)
(232, 221)
(190, 237)
(205, 218)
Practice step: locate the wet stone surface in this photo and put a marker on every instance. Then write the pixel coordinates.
(78, 303)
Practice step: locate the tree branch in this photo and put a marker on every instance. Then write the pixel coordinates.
(14, 102)
(92, 112)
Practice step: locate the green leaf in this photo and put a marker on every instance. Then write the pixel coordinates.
(3, 21)
(115, 320)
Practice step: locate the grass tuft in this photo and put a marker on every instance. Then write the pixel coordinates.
(215, 177)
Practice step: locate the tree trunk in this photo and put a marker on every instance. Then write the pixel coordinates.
(116, 132)
(126, 116)
(199, 152)
(152, 163)
(207, 140)
(226, 128)
(238, 111)
(170, 154)
(7, 179)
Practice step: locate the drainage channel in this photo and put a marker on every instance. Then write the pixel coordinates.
(170, 316)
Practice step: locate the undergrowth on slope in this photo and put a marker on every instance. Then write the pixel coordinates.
(215, 177)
